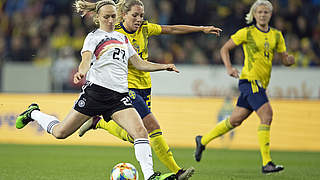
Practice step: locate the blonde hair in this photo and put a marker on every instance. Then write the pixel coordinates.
(124, 6)
(249, 16)
(83, 7)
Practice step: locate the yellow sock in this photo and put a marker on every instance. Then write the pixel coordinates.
(220, 129)
(264, 141)
(114, 129)
(162, 150)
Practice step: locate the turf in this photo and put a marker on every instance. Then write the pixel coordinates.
(51, 162)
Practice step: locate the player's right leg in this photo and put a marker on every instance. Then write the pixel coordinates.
(50, 123)
(238, 115)
(69, 125)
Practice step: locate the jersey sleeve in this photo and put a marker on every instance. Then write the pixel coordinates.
(89, 44)
(154, 29)
(281, 45)
(240, 36)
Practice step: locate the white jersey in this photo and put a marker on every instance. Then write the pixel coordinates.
(109, 64)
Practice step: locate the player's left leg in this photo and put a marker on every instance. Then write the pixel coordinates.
(265, 114)
(130, 120)
(260, 103)
(162, 150)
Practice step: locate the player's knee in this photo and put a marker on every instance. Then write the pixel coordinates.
(153, 127)
(150, 123)
(60, 134)
(235, 122)
(140, 132)
(267, 119)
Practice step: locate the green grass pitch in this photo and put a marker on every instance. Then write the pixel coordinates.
(53, 162)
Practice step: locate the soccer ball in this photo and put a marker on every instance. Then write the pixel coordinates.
(124, 171)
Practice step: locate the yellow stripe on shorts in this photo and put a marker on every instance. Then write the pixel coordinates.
(254, 86)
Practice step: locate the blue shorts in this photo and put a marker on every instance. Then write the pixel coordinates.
(141, 100)
(252, 95)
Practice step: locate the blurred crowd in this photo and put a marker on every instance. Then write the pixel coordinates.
(49, 33)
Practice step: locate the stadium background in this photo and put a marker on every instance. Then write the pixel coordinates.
(40, 42)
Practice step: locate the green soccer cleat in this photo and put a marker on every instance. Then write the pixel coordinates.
(158, 176)
(25, 117)
(185, 174)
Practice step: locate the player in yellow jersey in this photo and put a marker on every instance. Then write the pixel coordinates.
(138, 31)
(259, 42)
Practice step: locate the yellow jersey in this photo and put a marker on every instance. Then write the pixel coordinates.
(139, 39)
(259, 48)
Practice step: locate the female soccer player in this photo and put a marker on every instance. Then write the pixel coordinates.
(132, 24)
(105, 57)
(259, 42)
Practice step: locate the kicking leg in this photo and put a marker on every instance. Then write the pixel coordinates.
(50, 123)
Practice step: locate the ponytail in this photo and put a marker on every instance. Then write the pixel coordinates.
(83, 7)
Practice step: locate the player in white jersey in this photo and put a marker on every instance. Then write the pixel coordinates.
(105, 57)
(109, 65)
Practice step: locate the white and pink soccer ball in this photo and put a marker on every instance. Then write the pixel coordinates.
(124, 171)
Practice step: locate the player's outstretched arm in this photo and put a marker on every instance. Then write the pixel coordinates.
(142, 65)
(287, 59)
(185, 29)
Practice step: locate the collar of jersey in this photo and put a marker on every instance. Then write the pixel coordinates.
(262, 30)
(104, 30)
(125, 30)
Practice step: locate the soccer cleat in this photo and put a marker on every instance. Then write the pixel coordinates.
(25, 117)
(184, 174)
(90, 124)
(158, 176)
(199, 148)
(271, 168)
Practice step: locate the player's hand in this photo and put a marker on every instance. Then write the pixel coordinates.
(171, 67)
(211, 30)
(290, 60)
(77, 77)
(233, 72)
